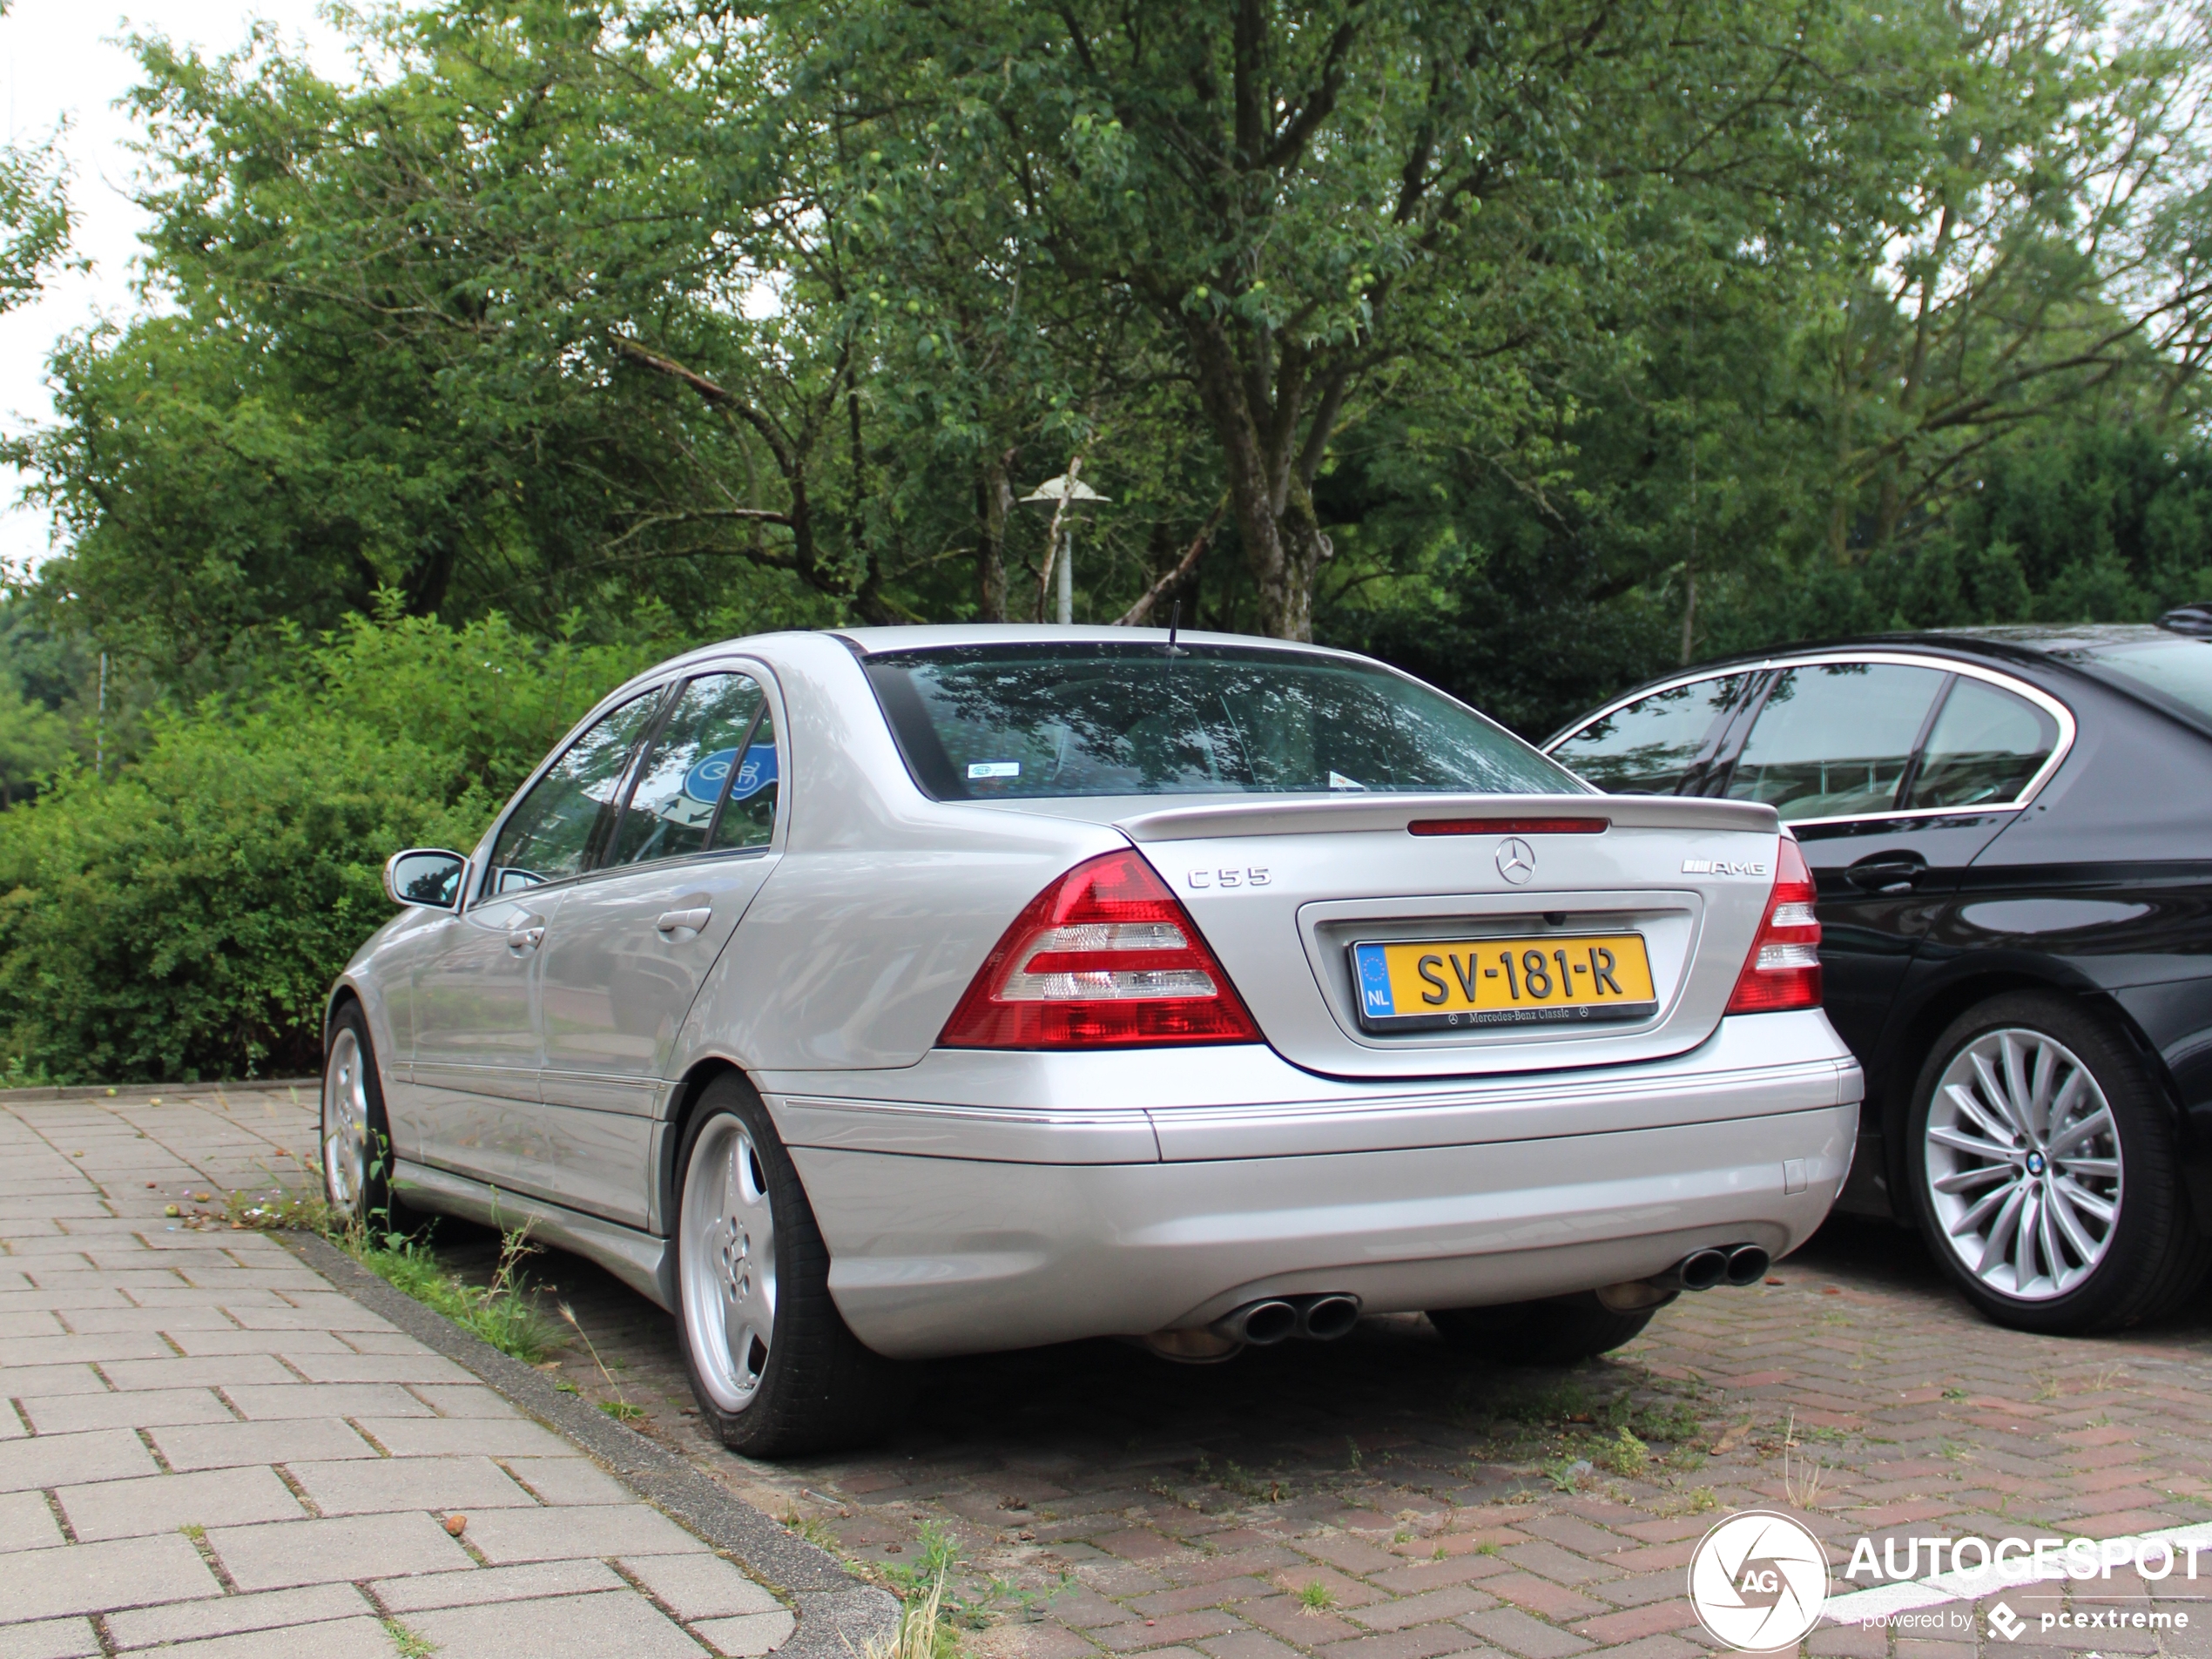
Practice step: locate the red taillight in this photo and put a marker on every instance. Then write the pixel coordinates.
(1783, 968)
(1104, 958)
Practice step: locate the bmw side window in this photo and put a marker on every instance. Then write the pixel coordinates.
(708, 736)
(1986, 745)
(552, 831)
(1833, 739)
(748, 817)
(1646, 747)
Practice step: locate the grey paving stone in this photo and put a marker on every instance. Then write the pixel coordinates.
(169, 1291)
(158, 1319)
(88, 1350)
(750, 1634)
(324, 1310)
(357, 1487)
(614, 1624)
(358, 1638)
(232, 1615)
(384, 1342)
(349, 1548)
(164, 1503)
(27, 1522)
(427, 1436)
(232, 1341)
(699, 1587)
(36, 1322)
(226, 1445)
(95, 1578)
(471, 1400)
(326, 1399)
(508, 1535)
(496, 1584)
(148, 1408)
(568, 1479)
(217, 1370)
(380, 1368)
(49, 1639)
(48, 1459)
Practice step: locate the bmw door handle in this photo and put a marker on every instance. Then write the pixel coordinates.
(676, 921)
(1888, 872)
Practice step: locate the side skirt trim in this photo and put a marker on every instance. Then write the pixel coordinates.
(645, 1264)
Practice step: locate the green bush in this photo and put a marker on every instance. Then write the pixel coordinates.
(183, 917)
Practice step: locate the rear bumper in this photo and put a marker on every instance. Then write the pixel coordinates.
(1148, 1191)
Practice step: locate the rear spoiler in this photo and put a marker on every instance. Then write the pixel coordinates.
(1375, 811)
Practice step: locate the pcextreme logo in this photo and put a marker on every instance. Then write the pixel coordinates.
(1758, 1581)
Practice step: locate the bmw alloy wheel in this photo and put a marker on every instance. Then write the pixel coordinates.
(728, 1263)
(344, 1120)
(2023, 1164)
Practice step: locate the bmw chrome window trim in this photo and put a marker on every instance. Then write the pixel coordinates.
(479, 877)
(2059, 712)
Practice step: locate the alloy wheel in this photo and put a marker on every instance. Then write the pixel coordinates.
(2023, 1164)
(344, 1120)
(728, 1263)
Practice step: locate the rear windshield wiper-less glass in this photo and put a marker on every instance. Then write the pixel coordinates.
(1011, 722)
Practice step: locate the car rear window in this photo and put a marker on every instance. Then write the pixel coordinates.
(2180, 668)
(1000, 722)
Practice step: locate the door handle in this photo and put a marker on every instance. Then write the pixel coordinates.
(1888, 873)
(676, 920)
(520, 940)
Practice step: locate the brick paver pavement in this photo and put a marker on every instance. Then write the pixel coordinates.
(1380, 1498)
(207, 1449)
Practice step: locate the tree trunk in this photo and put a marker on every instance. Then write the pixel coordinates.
(994, 507)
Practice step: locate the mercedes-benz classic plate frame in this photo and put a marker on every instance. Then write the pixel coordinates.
(1462, 984)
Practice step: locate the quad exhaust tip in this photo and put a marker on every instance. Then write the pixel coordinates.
(1278, 1319)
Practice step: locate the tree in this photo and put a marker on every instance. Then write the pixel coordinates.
(34, 217)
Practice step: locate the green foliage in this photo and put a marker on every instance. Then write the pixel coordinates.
(504, 1312)
(34, 218)
(184, 916)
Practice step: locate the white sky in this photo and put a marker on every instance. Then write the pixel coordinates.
(61, 58)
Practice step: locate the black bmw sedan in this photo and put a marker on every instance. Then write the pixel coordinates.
(2011, 832)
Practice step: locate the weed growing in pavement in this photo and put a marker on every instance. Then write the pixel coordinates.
(1624, 1454)
(1316, 1597)
(923, 1631)
(1954, 1392)
(411, 1644)
(814, 1530)
(1695, 1501)
(1800, 1483)
(503, 1313)
(1490, 1548)
(619, 1407)
(622, 1411)
(1244, 1484)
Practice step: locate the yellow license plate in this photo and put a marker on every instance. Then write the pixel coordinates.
(1433, 984)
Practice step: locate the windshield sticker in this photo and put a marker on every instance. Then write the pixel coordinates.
(704, 781)
(994, 769)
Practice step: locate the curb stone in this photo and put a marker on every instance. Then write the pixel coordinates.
(136, 1093)
(837, 1615)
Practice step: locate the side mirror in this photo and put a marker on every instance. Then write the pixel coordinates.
(428, 877)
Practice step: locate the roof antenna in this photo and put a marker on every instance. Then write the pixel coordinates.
(1175, 621)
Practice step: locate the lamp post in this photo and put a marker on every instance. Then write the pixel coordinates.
(1060, 544)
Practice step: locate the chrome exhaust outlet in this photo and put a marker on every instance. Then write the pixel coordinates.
(1262, 1323)
(1323, 1318)
(1747, 1264)
(1699, 1271)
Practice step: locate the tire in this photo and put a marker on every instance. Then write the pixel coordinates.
(353, 1136)
(774, 1369)
(1560, 1331)
(2040, 1158)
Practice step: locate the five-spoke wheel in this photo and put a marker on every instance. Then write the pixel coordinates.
(354, 1139)
(729, 1263)
(772, 1365)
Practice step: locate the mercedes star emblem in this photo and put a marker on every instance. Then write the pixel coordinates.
(1516, 860)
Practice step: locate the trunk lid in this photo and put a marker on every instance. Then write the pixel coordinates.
(1284, 890)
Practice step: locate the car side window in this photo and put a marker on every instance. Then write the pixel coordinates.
(688, 770)
(1648, 746)
(1987, 743)
(1832, 739)
(552, 831)
(749, 813)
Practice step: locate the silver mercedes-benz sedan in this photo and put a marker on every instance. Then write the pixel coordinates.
(869, 995)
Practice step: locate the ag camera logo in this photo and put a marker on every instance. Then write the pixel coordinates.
(1758, 1581)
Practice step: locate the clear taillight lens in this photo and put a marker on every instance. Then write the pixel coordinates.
(1104, 957)
(1783, 968)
